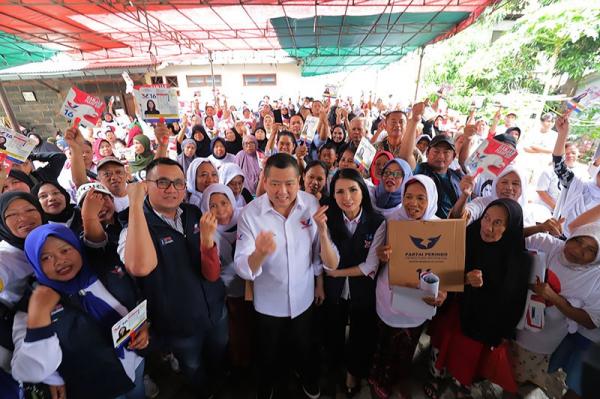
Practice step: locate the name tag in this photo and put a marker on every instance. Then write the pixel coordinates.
(166, 240)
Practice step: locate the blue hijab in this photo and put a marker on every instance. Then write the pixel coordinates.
(94, 306)
(386, 200)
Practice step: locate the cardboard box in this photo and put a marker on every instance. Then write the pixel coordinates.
(417, 246)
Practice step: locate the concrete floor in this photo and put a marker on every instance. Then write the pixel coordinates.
(172, 386)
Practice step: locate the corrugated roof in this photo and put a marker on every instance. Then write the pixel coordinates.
(162, 29)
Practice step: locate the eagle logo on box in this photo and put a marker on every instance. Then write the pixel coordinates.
(425, 243)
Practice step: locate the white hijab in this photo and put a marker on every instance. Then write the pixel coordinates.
(510, 169)
(190, 178)
(228, 171)
(227, 231)
(588, 230)
(432, 199)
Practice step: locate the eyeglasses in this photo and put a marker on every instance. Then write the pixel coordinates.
(395, 175)
(164, 184)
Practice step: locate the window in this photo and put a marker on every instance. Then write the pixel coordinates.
(169, 80)
(260, 80)
(172, 81)
(203, 80)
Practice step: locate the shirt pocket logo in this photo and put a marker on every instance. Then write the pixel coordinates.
(368, 240)
(306, 223)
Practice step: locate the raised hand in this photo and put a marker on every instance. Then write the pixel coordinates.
(208, 227)
(562, 125)
(162, 132)
(475, 278)
(467, 183)
(92, 204)
(42, 302)
(418, 109)
(320, 218)
(470, 130)
(301, 150)
(73, 137)
(137, 193)
(265, 245)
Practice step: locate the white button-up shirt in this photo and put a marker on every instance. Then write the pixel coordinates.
(284, 283)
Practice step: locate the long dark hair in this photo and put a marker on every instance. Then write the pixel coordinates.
(335, 216)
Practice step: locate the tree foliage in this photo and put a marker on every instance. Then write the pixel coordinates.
(558, 39)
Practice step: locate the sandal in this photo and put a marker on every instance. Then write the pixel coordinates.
(351, 391)
(431, 389)
(461, 392)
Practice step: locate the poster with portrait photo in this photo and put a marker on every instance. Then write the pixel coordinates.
(157, 101)
(128, 325)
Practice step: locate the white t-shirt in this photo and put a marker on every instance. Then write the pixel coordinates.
(548, 182)
(539, 139)
(581, 287)
(121, 203)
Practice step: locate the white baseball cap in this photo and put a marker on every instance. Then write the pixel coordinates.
(84, 188)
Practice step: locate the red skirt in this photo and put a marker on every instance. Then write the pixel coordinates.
(466, 359)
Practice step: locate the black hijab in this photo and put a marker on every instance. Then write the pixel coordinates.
(5, 200)
(262, 144)
(202, 147)
(235, 146)
(66, 213)
(21, 176)
(43, 145)
(212, 147)
(490, 313)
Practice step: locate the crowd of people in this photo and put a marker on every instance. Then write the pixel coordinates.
(260, 251)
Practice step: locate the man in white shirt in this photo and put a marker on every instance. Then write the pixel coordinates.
(542, 141)
(282, 245)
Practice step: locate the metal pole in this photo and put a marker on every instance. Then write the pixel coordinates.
(212, 76)
(8, 110)
(419, 74)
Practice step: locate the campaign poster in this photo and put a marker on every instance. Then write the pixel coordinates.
(364, 153)
(157, 101)
(310, 128)
(79, 104)
(128, 325)
(491, 156)
(15, 146)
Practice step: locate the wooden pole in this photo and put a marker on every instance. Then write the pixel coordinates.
(419, 74)
(8, 110)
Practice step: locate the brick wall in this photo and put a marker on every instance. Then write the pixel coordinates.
(43, 114)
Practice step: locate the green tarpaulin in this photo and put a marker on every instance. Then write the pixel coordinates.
(15, 51)
(338, 43)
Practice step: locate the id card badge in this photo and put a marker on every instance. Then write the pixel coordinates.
(535, 313)
(128, 325)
